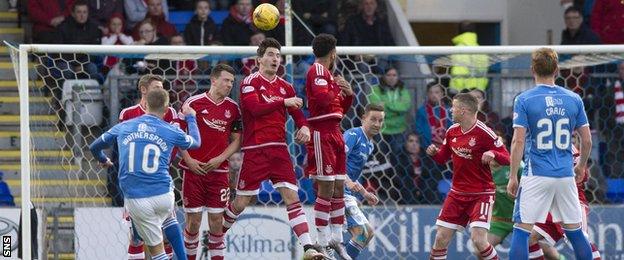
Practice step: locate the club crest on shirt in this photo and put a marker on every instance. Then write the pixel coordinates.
(328, 169)
(472, 141)
(283, 91)
(227, 113)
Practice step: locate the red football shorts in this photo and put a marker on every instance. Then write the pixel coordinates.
(266, 163)
(461, 210)
(327, 157)
(210, 191)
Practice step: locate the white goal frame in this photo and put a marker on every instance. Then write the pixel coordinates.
(26, 49)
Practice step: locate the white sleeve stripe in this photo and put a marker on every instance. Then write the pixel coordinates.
(487, 130)
(518, 126)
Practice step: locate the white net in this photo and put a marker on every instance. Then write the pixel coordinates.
(74, 97)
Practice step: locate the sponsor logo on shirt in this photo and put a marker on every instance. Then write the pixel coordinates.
(143, 127)
(463, 152)
(216, 124)
(320, 82)
(247, 89)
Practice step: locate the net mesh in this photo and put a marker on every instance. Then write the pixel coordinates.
(75, 97)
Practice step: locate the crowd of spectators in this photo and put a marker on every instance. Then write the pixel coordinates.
(413, 177)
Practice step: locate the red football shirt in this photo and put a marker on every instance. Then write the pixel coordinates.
(137, 111)
(263, 111)
(326, 103)
(470, 175)
(216, 122)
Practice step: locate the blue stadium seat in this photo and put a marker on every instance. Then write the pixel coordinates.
(180, 18)
(6, 199)
(615, 190)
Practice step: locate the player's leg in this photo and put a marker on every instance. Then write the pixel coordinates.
(193, 211)
(360, 237)
(173, 233)
(452, 217)
(337, 214)
(254, 170)
(321, 166)
(322, 209)
(534, 190)
(358, 226)
(543, 239)
(192, 222)
(148, 215)
(585, 227)
(566, 208)
(480, 210)
(135, 247)
(337, 220)
(216, 245)
(216, 201)
(282, 175)
(497, 234)
(442, 238)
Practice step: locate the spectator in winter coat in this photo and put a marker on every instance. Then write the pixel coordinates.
(137, 9)
(201, 30)
(46, 16)
(237, 27)
(367, 28)
(576, 31)
(156, 15)
(101, 11)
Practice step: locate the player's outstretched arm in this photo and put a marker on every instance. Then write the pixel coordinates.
(101, 143)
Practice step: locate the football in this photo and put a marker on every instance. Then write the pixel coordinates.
(266, 17)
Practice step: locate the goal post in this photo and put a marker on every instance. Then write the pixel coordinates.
(507, 70)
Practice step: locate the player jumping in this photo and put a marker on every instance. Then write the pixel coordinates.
(266, 100)
(329, 100)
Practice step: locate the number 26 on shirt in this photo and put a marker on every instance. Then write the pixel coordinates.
(561, 134)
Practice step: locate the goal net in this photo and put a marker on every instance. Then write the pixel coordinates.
(74, 93)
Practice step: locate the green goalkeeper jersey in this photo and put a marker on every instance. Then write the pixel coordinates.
(503, 204)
